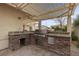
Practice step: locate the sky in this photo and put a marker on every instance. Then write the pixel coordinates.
(51, 22)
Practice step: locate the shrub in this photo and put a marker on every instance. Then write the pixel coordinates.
(74, 37)
(65, 28)
(76, 22)
(77, 44)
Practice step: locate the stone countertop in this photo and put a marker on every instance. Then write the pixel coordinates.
(59, 35)
(42, 35)
(49, 34)
(19, 33)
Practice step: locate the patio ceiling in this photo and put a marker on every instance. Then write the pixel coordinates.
(42, 11)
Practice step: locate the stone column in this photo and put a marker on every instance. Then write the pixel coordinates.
(23, 27)
(34, 26)
(69, 28)
(39, 25)
(69, 24)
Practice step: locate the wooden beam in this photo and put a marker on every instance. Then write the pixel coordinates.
(73, 5)
(62, 15)
(14, 4)
(50, 18)
(73, 8)
(53, 11)
(69, 24)
(25, 6)
(56, 10)
(11, 4)
(20, 5)
(34, 8)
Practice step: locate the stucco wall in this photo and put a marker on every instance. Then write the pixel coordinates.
(9, 22)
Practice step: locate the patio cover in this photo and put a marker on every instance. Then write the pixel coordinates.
(44, 11)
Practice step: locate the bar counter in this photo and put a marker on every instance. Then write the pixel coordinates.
(58, 43)
(55, 42)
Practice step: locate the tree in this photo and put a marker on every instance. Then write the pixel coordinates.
(61, 21)
(75, 26)
(61, 26)
(76, 21)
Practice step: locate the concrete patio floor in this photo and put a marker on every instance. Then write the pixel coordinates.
(74, 50)
(30, 50)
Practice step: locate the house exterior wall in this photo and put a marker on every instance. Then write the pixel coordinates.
(9, 22)
(33, 25)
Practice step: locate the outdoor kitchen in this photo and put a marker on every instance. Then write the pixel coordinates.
(50, 41)
(19, 30)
